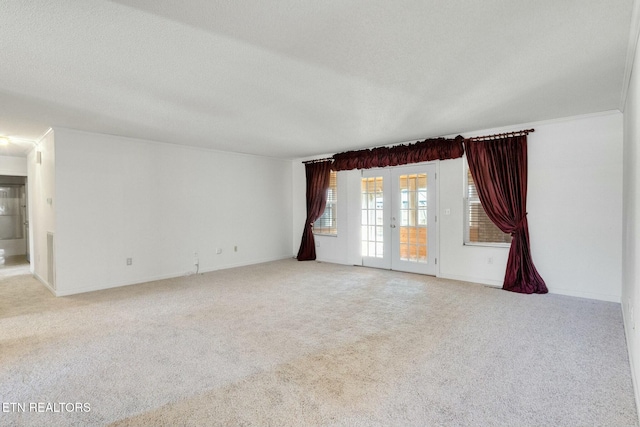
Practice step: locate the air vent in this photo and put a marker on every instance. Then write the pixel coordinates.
(51, 277)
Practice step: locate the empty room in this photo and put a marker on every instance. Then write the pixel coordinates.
(355, 213)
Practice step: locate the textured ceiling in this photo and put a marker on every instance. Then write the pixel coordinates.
(293, 78)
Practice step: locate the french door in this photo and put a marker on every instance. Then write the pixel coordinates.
(398, 225)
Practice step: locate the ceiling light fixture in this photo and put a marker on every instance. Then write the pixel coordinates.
(4, 140)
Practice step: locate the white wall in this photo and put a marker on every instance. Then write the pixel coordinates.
(574, 206)
(42, 217)
(15, 166)
(631, 221)
(120, 198)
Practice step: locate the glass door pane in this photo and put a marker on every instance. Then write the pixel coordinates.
(375, 240)
(372, 217)
(413, 217)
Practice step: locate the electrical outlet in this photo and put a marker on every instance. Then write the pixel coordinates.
(219, 251)
(129, 261)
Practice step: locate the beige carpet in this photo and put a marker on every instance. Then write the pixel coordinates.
(304, 343)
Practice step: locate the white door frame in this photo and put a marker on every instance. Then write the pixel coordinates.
(390, 260)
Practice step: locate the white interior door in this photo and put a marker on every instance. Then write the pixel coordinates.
(399, 218)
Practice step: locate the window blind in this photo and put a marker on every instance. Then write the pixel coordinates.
(327, 223)
(480, 229)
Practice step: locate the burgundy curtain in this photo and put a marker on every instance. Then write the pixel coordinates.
(421, 151)
(318, 175)
(499, 170)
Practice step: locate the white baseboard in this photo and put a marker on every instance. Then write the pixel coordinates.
(588, 295)
(45, 283)
(489, 282)
(567, 292)
(244, 264)
(84, 289)
(333, 261)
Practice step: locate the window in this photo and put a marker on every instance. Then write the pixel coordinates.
(479, 229)
(327, 224)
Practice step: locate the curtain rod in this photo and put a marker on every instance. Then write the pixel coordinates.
(327, 159)
(501, 135)
(474, 138)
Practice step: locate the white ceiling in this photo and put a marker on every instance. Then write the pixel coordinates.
(294, 78)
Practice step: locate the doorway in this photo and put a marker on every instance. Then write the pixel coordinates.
(14, 224)
(398, 225)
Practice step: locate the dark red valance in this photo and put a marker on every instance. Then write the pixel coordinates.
(421, 151)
